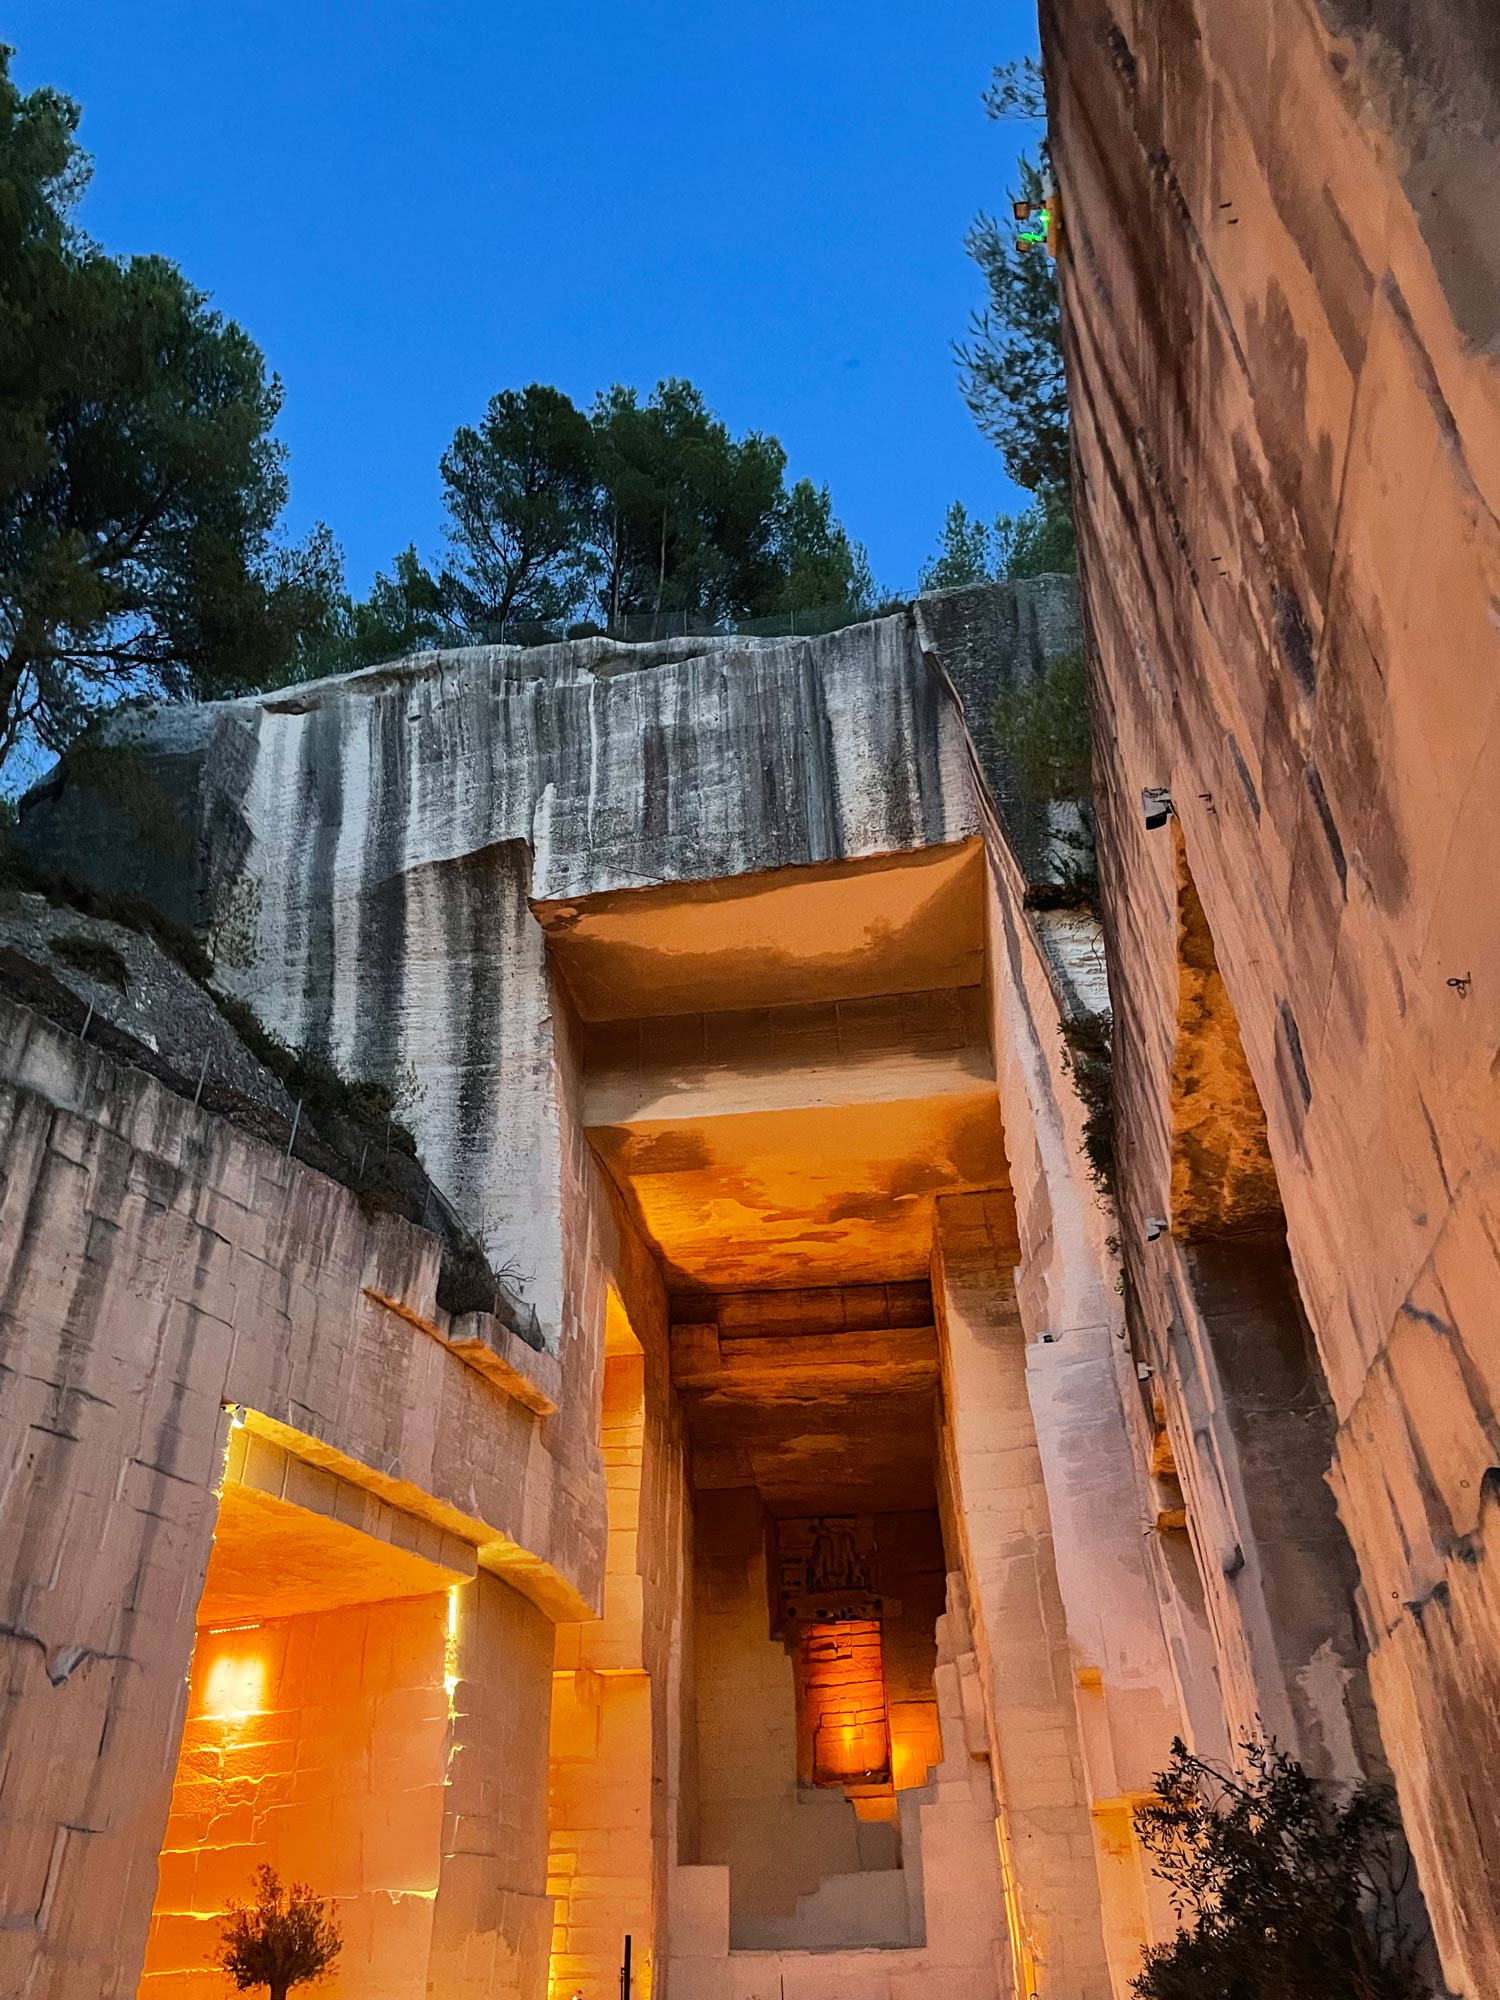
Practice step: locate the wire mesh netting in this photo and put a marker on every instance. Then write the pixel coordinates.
(647, 626)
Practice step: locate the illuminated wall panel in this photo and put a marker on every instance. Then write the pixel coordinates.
(843, 1703)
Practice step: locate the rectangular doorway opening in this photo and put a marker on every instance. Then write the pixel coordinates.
(316, 1735)
(820, 1578)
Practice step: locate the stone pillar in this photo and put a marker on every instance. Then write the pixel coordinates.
(602, 1866)
(492, 1920)
(1003, 1529)
(97, 1630)
(111, 1442)
(1134, 1686)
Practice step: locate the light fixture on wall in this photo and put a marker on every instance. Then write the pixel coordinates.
(236, 1687)
(1156, 805)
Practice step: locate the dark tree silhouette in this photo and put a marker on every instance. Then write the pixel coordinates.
(281, 1938)
(1285, 1887)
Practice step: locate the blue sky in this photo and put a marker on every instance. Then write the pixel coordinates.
(410, 206)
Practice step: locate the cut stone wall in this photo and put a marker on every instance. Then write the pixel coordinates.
(813, 1874)
(1132, 1691)
(1287, 424)
(1077, 1639)
(161, 1267)
(492, 1919)
(996, 1498)
(619, 1681)
(780, 1842)
(601, 1848)
(389, 828)
(316, 1746)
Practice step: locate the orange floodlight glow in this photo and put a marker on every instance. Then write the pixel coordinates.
(450, 1652)
(236, 1686)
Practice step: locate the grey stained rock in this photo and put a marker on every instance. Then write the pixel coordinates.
(362, 855)
(122, 984)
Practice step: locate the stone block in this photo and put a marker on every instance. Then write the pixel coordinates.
(698, 1913)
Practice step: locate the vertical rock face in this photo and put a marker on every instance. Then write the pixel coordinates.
(994, 642)
(371, 848)
(704, 975)
(1282, 305)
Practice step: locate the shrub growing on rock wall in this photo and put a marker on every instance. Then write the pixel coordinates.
(1286, 1888)
(1045, 730)
(283, 1937)
(1088, 1057)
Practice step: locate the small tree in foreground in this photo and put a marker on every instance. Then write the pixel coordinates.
(283, 1937)
(1285, 1889)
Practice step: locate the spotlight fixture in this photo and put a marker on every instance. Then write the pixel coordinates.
(1156, 804)
(1155, 1226)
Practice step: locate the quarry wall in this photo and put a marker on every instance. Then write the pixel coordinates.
(712, 975)
(164, 1271)
(422, 872)
(1281, 317)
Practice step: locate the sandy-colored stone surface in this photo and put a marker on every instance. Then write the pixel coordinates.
(714, 1169)
(818, 1605)
(1281, 319)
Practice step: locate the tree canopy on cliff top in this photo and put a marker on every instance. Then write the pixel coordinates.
(641, 507)
(1035, 542)
(141, 487)
(140, 484)
(1011, 363)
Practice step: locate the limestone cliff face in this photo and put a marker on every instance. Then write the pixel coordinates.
(676, 955)
(373, 847)
(1282, 302)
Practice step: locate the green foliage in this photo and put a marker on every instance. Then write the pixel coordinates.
(820, 568)
(1011, 365)
(519, 490)
(1045, 730)
(139, 481)
(404, 613)
(1088, 1057)
(686, 517)
(1036, 542)
(1039, 541)
(641, 509)
(327, 1096)
(141, 485)
(1284, 1887)
(1016, 90)
(93, 958)
(965, 553)
(282, 1937)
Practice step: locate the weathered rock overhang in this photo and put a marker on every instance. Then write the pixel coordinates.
(183, 1252)
(403, 862)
